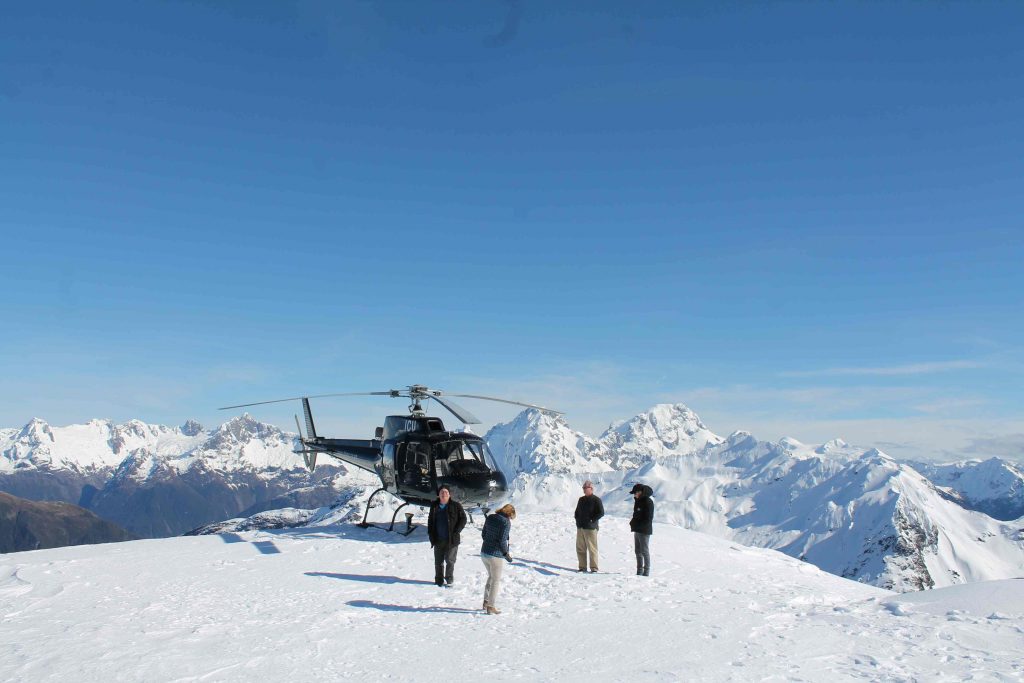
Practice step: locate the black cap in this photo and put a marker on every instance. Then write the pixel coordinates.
(636, 487)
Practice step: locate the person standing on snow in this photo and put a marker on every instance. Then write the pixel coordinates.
(495, 551)
(642, 525)
(588, 511)
(445, 523)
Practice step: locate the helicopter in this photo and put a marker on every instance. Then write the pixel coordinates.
(413, 454)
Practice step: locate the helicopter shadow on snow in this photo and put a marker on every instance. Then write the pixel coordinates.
(537, 566)
(370, 578)
(542, 567)
(264, 547)
(384, 607)
(351, 532)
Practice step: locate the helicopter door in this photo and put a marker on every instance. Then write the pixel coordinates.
(413, 462)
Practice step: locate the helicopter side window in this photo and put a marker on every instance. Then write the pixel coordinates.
(441, 464)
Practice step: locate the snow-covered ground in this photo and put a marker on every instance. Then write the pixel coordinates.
(338, 602)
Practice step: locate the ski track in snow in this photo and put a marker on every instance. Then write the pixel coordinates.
(340, 602)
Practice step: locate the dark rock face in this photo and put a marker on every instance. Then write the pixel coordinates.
(48, 485)
(169, 504)
(28, 525)
(912, 540)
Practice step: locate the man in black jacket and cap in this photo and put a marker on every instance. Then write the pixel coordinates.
(642, 525)
(445, 523)
(589, 510)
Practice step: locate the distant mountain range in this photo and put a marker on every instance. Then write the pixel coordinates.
(163, 481)
(851, 511)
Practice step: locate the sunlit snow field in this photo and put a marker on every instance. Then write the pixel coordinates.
(339, 602)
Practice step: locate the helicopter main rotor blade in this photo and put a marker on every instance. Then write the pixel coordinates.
(299, 398)
(457, 410)
(505, 400)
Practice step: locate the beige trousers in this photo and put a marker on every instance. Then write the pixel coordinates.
(586, 542)
(494, 566)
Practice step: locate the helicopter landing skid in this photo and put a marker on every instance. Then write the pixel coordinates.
(409, 526)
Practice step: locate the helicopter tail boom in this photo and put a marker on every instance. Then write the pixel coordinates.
(360, 453)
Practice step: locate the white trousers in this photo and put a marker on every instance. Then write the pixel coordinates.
(494, 566)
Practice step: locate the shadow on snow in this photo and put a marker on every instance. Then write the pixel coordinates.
(265, 547)
(370, 578)
(384, 607)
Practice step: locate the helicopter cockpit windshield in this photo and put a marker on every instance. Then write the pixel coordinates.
(462, 457)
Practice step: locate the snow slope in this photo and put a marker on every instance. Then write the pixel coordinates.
(337, 602)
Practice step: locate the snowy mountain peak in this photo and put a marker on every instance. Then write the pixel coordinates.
(538, 443)
(790, 444)
(664, 419)
(132, 434)
(738, 438)
(878, 456)
(241, 430)
(36, 432)
(831, 446)
(191, 428)
(140, 465)
(667, 429)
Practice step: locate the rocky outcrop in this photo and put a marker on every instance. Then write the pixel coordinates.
(29, 525)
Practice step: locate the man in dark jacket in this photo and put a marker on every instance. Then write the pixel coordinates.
(642, 526)
(445, 523)
(588, 511)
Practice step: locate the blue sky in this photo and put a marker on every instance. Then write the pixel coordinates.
(799, 219)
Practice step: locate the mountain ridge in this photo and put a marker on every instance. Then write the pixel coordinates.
(158, 481)
(854, 512)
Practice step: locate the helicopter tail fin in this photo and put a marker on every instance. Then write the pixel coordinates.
(309, 456)
(310, 429)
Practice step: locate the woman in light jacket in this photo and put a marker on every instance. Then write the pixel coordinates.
(494, 552)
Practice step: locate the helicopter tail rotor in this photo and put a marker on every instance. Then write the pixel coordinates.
(308, 456)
